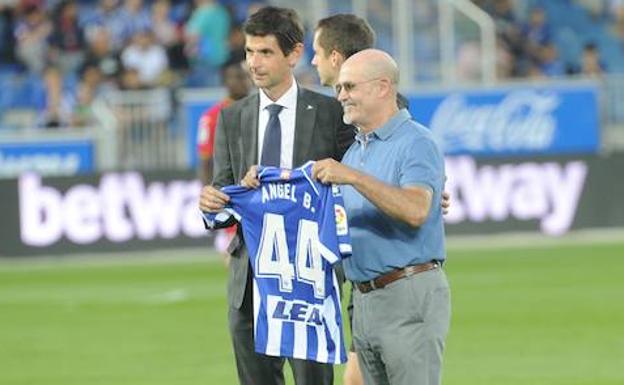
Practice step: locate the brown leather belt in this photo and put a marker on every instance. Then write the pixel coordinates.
(386, 279)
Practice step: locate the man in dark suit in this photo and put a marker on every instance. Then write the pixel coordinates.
(310, 127)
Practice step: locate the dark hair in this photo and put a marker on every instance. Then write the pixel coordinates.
(345, 33)
(283, 23)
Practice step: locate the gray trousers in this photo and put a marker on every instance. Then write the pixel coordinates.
(259, 369)
(399, 331)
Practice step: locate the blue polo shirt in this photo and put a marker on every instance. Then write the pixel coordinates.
(400, 153)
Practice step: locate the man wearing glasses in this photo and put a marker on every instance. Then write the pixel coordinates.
(336, 38)
(393, 177)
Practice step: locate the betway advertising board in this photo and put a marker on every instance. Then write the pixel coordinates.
(108, 212)
(129, 210)
(526, 119)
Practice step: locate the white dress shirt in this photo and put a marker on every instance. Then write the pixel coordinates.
(287, 123)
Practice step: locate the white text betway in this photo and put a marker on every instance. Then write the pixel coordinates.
(548, 192)
(121, 208)
(124, 207)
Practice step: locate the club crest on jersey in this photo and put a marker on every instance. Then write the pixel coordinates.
(341, 220)
(285, 175)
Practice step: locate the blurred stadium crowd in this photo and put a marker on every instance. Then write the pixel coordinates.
(57, 56)
(539, 39)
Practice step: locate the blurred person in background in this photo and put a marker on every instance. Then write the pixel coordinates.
(591, 62)
(536, 32)
(168, 34)
(165, 30)
(102, 64)
(237, 83)
(67, 41)
(66, 104)
(237, 43)
(135, 18)
(207, 32)
(107, 16)
(55, 113)
(31, 34)
(550, 63)
(82, 113)
(8, 19)
(617, 24)
(147, 57)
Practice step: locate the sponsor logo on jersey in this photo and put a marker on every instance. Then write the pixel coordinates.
(296, 311)
(341, 220)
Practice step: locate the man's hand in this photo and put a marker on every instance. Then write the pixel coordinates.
(212, 200)
(446, 202)
(251, 178)
(330, 171)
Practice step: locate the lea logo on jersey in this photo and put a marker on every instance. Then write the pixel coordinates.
(298, 312)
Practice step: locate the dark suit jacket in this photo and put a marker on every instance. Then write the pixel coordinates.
(319, 133)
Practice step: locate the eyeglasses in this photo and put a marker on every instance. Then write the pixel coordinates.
(350, 86)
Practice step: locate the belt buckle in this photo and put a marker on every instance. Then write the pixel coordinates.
(372, 284)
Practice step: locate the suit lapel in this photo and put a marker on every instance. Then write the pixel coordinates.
(249, 131)
(304, 128)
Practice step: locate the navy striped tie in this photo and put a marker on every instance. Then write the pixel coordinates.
(272, 145)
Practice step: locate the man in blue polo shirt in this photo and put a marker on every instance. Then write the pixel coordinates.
(393, 177)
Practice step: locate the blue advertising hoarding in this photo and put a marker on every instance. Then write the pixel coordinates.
(523, 120)
(67, 157)
(517, 120)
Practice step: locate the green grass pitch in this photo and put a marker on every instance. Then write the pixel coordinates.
(543, 315)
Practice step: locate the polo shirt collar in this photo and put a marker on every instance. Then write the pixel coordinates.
(385, 131)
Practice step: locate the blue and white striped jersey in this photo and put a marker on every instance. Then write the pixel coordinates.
(295, 229)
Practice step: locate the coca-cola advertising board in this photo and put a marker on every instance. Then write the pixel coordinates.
(508, 121)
